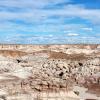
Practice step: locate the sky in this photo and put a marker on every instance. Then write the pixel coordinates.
(49, 21)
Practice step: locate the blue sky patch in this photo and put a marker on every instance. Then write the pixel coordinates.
(49, 21)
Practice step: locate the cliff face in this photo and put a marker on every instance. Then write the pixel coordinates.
(49, 68)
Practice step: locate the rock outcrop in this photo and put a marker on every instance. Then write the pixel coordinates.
(25, 69)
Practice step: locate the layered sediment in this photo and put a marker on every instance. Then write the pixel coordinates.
(29, 72)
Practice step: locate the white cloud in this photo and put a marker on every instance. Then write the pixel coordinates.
(34, 12)
(92, 15)
(31, 4)
(73, 34)
(45, 39)
(87, 28)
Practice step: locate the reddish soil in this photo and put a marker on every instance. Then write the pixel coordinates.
(61, 55)
(10, 53)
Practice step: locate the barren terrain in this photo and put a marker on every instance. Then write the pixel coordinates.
(50, 72)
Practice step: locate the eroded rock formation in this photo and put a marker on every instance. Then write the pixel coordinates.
(25, 69)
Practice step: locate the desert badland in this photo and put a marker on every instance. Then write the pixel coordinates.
(50, 72)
